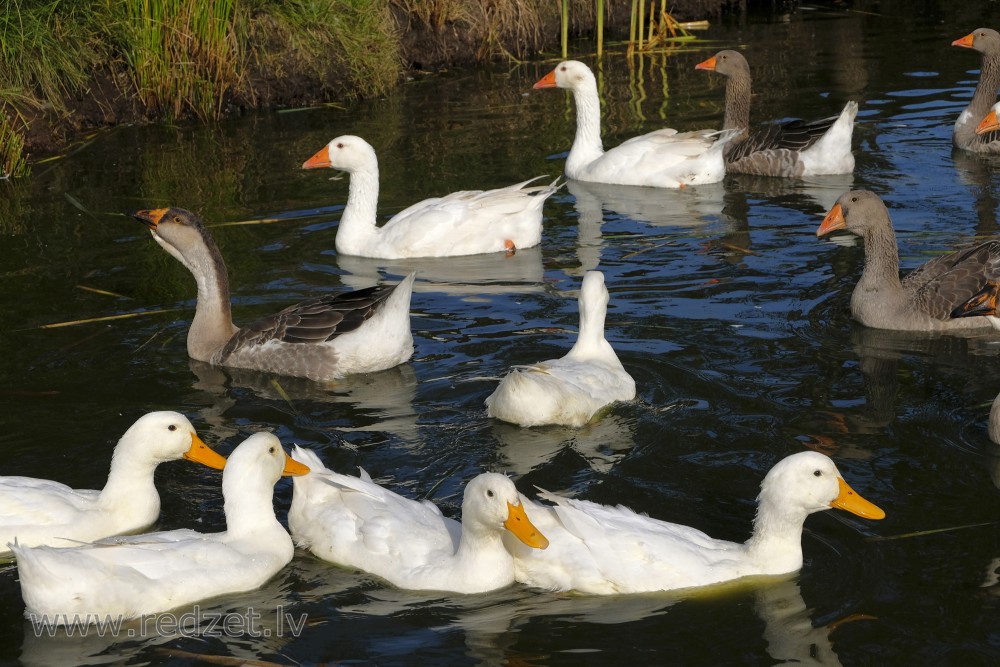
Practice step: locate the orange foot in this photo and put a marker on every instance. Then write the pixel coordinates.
(509, 247)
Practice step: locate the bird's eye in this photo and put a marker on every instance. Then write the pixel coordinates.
(177, 218)
(817, 473)
(340, 145)
(271, 450)
(172, 427)
(489, 493)
(854, 200)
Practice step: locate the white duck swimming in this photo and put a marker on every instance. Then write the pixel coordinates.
(356, 523)
(607, 550)
(126, 577)
(324, 338)
(41, 511)
(569, 390)
(661, 159)
(461, 223)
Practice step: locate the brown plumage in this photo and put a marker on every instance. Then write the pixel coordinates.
(926, 298)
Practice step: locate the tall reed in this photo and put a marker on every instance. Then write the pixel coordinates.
(183, 54)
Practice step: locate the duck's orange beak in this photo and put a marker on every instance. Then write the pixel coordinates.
(293, 467)
(852, 502)
(833, 221)
(518, 523)
(203, 454)
(547, 81)
(707, 64)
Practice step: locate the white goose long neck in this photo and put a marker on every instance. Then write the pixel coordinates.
(587, 145)
(357, 225)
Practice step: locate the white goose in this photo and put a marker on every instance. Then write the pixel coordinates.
(128, 577)
(324, 338)
(607, 550)
(461, 223)
(356, 523)
(41, 511)
(570, 390)
(661, 159)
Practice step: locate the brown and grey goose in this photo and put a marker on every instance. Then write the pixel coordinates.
(323, 338)
(926, 298)
(987, 42)
(793, 148)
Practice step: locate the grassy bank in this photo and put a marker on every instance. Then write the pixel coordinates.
(68, 66)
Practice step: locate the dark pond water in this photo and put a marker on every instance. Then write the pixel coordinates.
(730, 314)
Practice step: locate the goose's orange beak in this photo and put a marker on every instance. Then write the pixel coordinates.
(707, 64)
(547, 81)
(989, 124)
(965, 41)
(833, 221)
(150, 217)
(319, 160)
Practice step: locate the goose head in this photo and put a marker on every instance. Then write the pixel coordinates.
(727, 63)
(181, 233)
(810, 482)
(984, 40)
(569, 74)
(346, 153)
(492, 504)
(168, 436)
(990, 123)
(856, 211)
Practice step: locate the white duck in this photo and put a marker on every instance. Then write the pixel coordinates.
(661, 159)
(461, 223)
(324, 338)
(569, 390)
(356, 523)
(127, 577)
(41, 511)
(607, 550)
(988, 131)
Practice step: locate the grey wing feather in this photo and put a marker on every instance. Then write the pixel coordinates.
(794, 135)
(950, 280)
(313, 321)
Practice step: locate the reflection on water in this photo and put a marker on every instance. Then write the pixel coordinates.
(601, 443)
(466, 275)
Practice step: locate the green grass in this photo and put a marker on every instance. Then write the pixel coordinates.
(181, 58)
